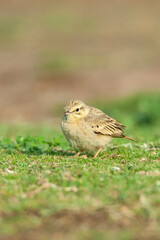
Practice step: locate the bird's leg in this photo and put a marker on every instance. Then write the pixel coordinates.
(97, 152)
(77, 154)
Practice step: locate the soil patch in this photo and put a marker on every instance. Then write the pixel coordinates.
(67, 223)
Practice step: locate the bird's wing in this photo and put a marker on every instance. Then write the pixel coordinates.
(103, 124)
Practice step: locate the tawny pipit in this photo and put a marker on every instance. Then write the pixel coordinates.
(88, 128)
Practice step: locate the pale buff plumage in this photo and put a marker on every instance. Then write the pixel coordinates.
(88, 128)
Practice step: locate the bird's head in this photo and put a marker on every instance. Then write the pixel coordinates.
(75, 110)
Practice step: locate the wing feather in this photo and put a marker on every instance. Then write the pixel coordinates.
(103, 124)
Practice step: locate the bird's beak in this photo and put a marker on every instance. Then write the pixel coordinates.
(67, 113)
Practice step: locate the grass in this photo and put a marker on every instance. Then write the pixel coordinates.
(46, 193)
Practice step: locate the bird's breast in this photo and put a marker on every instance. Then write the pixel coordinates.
(80, 135)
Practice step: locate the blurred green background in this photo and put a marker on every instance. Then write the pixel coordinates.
(52, 51)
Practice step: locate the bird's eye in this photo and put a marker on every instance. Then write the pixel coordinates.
(77, 110)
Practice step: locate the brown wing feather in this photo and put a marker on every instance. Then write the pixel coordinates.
(103, 124)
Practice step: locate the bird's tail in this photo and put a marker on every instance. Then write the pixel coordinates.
(129, 138)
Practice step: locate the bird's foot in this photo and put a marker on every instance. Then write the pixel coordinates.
(97, 153)
(77, 154)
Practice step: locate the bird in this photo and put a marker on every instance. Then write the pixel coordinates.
(89, 128)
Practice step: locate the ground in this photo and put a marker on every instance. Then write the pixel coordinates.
(47, 194)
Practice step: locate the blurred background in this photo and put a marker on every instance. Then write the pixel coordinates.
(52, 51)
